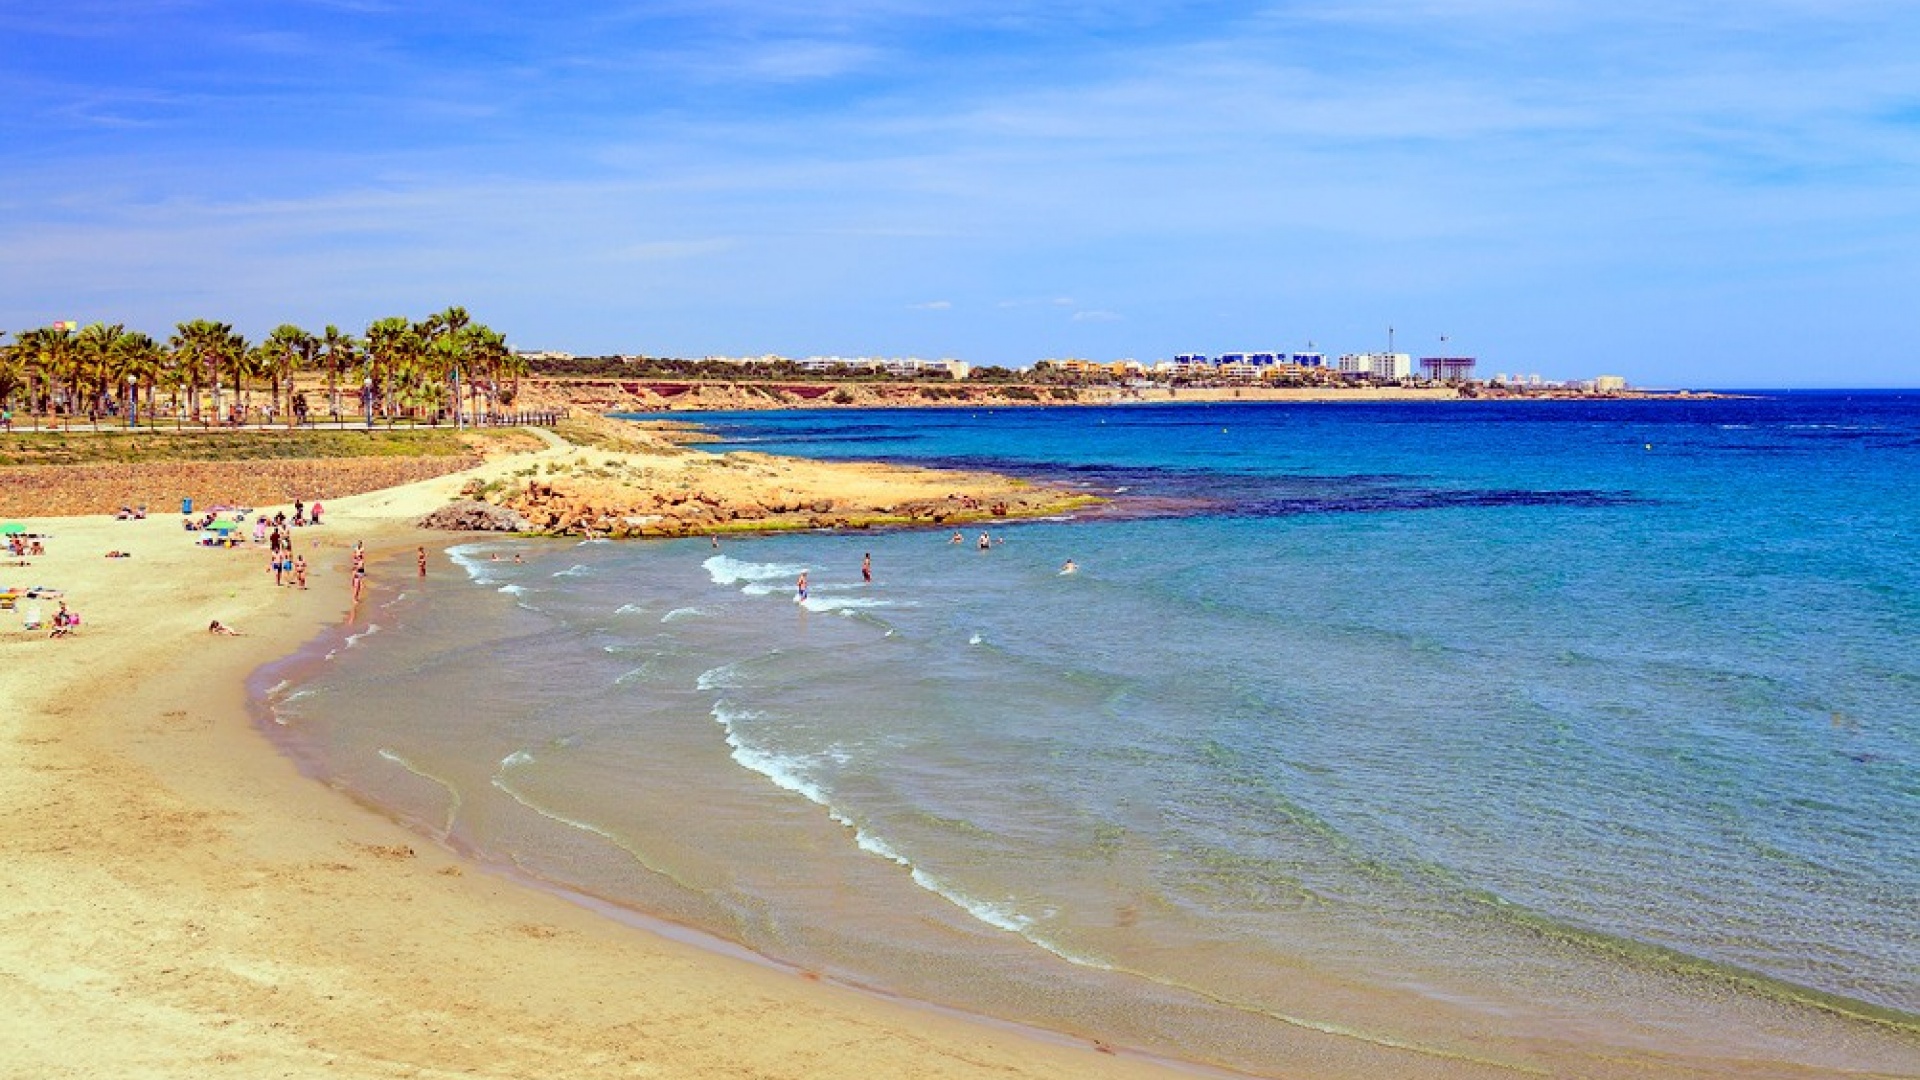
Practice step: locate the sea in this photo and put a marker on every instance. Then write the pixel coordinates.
(1411, 739)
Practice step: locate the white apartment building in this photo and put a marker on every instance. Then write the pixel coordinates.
(1385, 366)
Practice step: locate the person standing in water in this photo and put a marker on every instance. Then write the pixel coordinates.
(800, 588)
(866, 567)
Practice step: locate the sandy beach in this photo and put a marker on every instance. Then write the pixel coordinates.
(180, 901)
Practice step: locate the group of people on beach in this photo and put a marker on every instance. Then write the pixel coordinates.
(21, 546)
(284, 562)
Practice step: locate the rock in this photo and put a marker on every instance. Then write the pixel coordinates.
(474, 517)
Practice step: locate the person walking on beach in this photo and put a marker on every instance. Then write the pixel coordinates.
(423, 562)
(866, 567)
(300, 570)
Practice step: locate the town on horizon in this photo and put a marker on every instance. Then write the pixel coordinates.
(1278, 368)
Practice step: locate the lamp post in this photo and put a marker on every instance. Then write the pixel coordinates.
(366, 400)
(133, 401)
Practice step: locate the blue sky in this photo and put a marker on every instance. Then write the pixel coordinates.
(1685, 193)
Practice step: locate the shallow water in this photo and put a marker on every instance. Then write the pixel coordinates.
(1477, 736)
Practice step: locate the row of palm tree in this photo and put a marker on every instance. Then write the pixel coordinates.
(209, 371)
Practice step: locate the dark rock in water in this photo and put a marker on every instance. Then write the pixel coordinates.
(475, 517)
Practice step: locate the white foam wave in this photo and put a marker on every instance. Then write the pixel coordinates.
(355, 639)
(514, 590)
(791, 774)
(467, 558)
(523, 758)
(844, 604)
(763, 590)
(727, 570)
(453, 792)
(683, 613)
(576, 570)
(629, 609)
(975, 639)
(723, 677)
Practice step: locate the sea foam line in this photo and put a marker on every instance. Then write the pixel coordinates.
(454, 802)
(522, 757)
(1005, 918)
(786, 773)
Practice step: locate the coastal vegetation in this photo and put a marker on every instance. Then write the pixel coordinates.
(51, 448)
(206, 372)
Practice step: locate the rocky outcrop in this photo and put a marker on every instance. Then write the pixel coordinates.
(475, 517)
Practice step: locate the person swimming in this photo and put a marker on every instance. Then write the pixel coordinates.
(1069, 567)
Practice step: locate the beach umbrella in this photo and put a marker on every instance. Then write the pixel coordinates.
(223, 527)
(12, 527)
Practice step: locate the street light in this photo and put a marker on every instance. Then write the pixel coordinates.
(133, 401)
(366, 400)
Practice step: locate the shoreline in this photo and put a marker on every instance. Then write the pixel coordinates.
(183, 901)
(237, 910)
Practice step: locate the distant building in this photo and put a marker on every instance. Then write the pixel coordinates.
(1447, 368)
(1387, 367)
(1607, 384)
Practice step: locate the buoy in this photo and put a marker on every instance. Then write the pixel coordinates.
(1649, 446)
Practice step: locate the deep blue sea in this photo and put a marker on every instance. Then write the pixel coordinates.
(1410, 739)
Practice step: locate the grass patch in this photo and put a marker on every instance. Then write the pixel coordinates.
(120, 448)
(618, 436)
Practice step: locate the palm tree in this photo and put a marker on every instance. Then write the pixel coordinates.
(443, 338)
(512, 366)
(486, 353)
(393, 348)
(92, 373)
(342, 354)
(13, 372)
(208, 347)
(285, 351)
(136, 360)
(44, 353)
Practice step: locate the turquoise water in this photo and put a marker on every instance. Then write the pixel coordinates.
(1480, 736)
